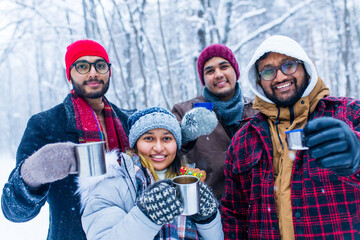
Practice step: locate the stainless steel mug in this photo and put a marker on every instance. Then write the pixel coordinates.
(90, 159)
(187, 186)
(295, 139)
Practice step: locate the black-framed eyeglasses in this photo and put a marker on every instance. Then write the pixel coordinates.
(83, 67)
(287, 68)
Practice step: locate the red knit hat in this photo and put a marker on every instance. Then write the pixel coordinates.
(82, 48)
(216, 50)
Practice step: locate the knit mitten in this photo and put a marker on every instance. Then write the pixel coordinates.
(208, 206)
(197, 122)
(50, 163)
(159, 202)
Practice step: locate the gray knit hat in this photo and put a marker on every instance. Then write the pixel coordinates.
(150, 118)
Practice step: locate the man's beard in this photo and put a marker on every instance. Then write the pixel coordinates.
(299, 90)
(225, 95)
(80, 90)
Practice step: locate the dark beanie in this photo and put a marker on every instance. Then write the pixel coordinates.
(216, 50)
(82, 48)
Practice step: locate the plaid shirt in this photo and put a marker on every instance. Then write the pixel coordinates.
(324, 206)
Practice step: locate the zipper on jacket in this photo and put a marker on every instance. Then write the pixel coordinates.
(277, 128)
(127, 171)
(291, 109)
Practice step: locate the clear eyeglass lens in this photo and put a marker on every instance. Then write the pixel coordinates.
(82, 67)
(101, 67)
(268, 74)
(287, 68)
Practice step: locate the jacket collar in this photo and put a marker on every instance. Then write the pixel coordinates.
(301, 109)
(70, 116)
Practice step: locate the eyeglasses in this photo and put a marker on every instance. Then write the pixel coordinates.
(287, 68)
(83, 67)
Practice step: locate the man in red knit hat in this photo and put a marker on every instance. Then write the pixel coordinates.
(45, 157)
(218, 72)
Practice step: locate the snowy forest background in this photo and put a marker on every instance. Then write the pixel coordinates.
(153, 47)
(154, 44)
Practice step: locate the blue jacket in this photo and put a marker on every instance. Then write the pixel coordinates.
(19, 203)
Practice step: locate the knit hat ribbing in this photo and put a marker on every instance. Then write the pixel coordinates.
(150, 118)
(82, 48)
(216, 50)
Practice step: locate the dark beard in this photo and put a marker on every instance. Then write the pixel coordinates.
(292, 100)
(80, 91)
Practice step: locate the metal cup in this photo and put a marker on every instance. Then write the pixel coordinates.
(187, 186)
(295, 140)
(90, 159)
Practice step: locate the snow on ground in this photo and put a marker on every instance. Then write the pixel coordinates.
(35, 229)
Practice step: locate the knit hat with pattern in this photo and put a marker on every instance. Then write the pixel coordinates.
(82, 48)
(216, 50)
(150, 118)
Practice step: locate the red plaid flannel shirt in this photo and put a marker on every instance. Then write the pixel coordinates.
(324, 206)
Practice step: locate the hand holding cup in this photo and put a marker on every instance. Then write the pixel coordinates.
(333, 144)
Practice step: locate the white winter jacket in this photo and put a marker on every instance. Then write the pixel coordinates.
(110, 210)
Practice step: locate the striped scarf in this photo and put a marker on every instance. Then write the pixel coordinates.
(182, 227)
(89, 126)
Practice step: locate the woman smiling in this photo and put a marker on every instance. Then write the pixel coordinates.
(136, 198)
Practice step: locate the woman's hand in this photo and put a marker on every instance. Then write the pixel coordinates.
(201, 174)
(160, 203)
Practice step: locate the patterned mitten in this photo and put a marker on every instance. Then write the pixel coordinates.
(197, 122)
(208, 206)
(159, 202)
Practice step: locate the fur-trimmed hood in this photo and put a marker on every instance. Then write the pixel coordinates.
(113, 170)
(283, 45)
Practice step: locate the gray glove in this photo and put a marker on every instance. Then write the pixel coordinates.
(197, 122)
(159, 202)
(208, 206)
(50, 163)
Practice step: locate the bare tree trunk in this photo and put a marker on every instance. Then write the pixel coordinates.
(95, 25)
(39, 66)
(346, 49)
(142, 29)
(91, 25)
(86, 22)
(162, 88)
(356, 35)
(71, 34)
(127, 56)
(201, 32)
(166, 54)
(357, 23)
(227, 29)
(141, 65)
(10, 132)
(118, 59)
(340, 41)
(214, 31)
